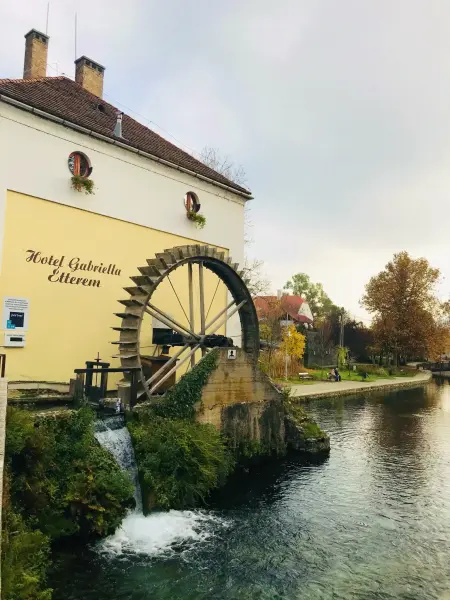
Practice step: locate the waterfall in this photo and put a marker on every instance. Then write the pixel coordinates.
(159, 532)
(113, 435)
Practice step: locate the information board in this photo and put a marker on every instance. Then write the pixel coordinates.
(15, 313)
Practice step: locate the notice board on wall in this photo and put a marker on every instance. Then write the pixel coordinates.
(15, 313)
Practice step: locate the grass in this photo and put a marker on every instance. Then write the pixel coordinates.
(373, 374)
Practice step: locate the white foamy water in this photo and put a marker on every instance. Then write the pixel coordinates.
(115, 437)
(158, 533)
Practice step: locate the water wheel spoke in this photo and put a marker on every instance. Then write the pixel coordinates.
(174, 368)
(212, 300)
(202, 301)
(191, 305)
(179, 301)
(226, 309)
(169, 321)
(227, 316)
(170, 362)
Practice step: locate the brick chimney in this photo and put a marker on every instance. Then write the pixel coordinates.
(89, 75)
(36, 49)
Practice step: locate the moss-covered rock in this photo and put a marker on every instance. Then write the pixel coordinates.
(303, 433)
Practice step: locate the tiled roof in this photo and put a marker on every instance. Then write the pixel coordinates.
(290, 304)
(66, 99)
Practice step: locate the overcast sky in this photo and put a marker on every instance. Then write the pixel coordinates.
(338, 110)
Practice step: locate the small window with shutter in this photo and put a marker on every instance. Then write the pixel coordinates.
(191, 202)
(79, 164)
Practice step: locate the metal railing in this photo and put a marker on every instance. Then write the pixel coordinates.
(438, 366)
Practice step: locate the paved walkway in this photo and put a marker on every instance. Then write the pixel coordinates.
(327, 389)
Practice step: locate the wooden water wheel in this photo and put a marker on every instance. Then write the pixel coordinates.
(196, 333)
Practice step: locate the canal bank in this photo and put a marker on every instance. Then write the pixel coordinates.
(329, 389)
(442, 374)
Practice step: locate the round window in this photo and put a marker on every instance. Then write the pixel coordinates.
(191, 202)
(79, 164)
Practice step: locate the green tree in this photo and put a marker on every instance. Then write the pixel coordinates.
(319, 302)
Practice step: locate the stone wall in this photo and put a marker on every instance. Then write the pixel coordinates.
(237, 381)
(241, 401)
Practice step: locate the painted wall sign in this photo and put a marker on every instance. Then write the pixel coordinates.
(72, 270)
(15, 313)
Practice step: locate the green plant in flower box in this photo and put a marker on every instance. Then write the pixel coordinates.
(80, 183)
(197, 218)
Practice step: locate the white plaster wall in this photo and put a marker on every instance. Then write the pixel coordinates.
(33, 160)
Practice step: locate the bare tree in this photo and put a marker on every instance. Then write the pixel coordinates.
(258, 284)
(223, 165)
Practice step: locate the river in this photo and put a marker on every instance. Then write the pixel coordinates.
(372, 521)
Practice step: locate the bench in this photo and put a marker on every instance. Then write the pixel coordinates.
(304, 376)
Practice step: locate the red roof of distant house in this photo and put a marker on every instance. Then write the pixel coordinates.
(66, 99)
(294, 306)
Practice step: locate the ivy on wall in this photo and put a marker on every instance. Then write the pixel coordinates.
(179, 402)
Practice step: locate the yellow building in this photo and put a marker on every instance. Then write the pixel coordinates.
(65, 253)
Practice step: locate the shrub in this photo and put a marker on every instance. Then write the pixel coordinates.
(372, 370)
(273, 363)
(25, 560)
(179, 461)
(62, 480)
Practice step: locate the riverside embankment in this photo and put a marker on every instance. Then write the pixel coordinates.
(329, 389)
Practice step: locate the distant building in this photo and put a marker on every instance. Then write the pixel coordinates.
(295, 307)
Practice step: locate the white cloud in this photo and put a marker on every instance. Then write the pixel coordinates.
(338, 111)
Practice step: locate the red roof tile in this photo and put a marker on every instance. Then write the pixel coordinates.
(66, 99)
(289, 304)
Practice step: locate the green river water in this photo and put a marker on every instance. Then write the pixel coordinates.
(372, 521)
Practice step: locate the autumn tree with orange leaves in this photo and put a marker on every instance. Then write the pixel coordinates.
(409, 321)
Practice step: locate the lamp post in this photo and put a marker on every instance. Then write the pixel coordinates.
(286, 356)
(279, 297)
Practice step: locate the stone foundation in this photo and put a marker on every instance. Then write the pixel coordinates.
(255, 417)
